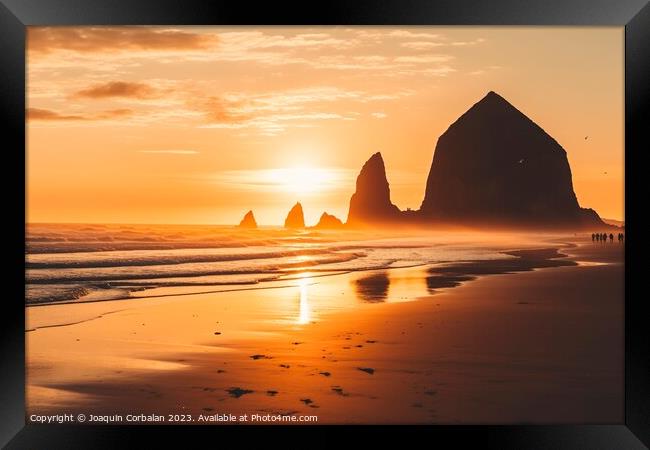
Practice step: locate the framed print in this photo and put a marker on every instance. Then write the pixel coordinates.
(404, 216)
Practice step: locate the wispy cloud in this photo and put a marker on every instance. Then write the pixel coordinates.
(444, 42)
(413, 34)
(267, 113)
(111, 89)
(484, 70)
(46, 114)
(316, 50)
(273, 124)
(466, 43)
(242, 41)
(379, 115)
(113, 39)
(223, 109)
(423, 59)
(273, 112)
(108, 65)
(49, 115)
(421, 45)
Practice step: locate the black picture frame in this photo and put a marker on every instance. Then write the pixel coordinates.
(15, 15)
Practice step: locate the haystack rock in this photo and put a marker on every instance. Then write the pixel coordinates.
(371, 201)
(295, 218)
(328, 221)
(248, 221)
(495, 165)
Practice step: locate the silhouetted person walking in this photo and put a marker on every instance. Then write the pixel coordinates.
(593, 237)
(611, 237)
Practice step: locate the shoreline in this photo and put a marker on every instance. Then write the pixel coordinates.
(164, 364)
(539, 255)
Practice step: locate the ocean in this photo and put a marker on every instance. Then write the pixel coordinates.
(79, 262)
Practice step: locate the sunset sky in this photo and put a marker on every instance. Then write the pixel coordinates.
(201, 124)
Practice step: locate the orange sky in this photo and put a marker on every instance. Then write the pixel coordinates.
(201, 124)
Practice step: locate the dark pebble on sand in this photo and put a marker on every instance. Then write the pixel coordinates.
(297, 343)
(371, 342)
(285, 366)
(339, 391)
(260, 357)
(325, 374)
(221, 371)
(369, 370)
(359, 346)
(217, 333)
(307, 401)
(271, 393)
(238, 392)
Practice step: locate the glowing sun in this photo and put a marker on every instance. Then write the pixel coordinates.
(302, 180)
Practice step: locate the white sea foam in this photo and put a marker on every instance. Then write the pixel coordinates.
(83, 262)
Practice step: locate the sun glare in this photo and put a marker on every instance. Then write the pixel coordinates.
(304, 312)
(302, 180)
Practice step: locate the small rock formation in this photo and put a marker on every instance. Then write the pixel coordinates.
(371, 201)
(248, 221)
(495, 165)
(295, 218)
(328, 221)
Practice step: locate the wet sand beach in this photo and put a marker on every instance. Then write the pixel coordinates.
(536, 338)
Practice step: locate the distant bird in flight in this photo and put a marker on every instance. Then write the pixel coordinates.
(605, 173)
(586, 137)
(521, 160)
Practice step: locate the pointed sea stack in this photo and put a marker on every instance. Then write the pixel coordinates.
(295, 218)
(248, 221)
(496, 166)
(328, 221)
(370, 204)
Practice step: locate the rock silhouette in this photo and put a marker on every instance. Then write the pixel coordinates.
(371, 201)
(328, 221)
(295, 218)
(495, 165)
(248, 221)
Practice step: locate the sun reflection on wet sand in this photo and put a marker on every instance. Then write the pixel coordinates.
(305, 314)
